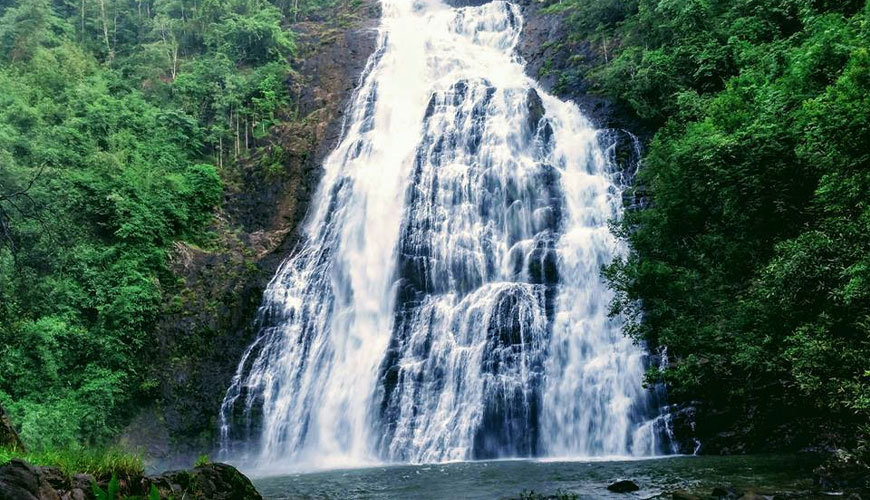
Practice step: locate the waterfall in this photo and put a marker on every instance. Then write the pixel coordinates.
(447, 302)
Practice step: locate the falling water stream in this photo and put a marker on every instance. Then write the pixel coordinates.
(447, 302)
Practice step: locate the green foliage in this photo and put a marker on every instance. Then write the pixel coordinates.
(98, 462)
(251, 34)
(111, 491)
(25, 27)
(116, 118)
(750, 263)
(202, 460)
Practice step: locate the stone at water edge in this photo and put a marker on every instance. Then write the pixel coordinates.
(726, 492)
(213, 481)
(684, 495)
(623, 486)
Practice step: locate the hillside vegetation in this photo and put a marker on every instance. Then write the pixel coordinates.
(118, 119)
(750, 259)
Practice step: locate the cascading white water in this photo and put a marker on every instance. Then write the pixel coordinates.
(447, 302)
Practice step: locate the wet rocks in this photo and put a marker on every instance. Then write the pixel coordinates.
(730, 492)
(623, 486)
(210, 481)
(552, 59)
(20, 480)
(726, 492)
(535, 108)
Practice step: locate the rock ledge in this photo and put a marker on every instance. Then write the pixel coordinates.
(20, 480)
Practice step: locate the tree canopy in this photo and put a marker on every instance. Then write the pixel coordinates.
(116, 119)
(750, 261)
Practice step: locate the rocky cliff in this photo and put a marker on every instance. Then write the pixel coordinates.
(210, 308)
(557, 63)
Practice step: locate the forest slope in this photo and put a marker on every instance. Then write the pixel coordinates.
(153, 157)
(749, 260)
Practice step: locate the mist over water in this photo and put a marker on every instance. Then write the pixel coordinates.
(447, 303)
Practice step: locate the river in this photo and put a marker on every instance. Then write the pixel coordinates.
(511, 478)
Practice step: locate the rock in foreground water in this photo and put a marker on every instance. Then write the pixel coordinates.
(624, 486)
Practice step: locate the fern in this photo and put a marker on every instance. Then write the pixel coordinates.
(112, 491)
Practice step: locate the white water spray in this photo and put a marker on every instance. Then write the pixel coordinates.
(447, 302)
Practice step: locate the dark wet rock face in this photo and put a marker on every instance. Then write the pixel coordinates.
(551, 59)
(555, 61)
(536, 109)
(20, 480)
(548, 54)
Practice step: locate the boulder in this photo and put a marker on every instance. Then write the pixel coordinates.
(21, 481)
(684, 495)
(623, 486)
(205, 482)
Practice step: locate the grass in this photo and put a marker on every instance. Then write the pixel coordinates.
(202, 460)
(98, 462)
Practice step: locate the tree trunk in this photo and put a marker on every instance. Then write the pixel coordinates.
(111, 55)
(83, 23)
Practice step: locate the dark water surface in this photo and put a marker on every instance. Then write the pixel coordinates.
(507, 479)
